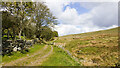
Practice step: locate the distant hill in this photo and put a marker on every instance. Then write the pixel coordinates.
(93, 48)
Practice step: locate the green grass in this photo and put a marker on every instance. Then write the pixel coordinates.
(91, 50)
(112, 31)
(0, 58)
(59, 58)
(17, 55)
(32, 59)
(74, 43)
(101, 44)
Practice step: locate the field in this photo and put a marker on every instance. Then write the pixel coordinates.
(98, 48)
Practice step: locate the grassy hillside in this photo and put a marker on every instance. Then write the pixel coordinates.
(93, 48)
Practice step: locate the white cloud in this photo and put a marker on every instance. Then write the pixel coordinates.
(101, 16)
(69, 16)
(105, 15)
(71, 29)
(56, 6)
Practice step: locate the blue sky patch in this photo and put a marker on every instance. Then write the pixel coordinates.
(77, 6)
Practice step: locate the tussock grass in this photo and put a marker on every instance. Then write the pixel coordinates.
(96, 48)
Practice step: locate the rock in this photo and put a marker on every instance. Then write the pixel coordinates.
(29, 42)
(15, 49)
(19, 48)
(36, 40)
(54, 43)
(20, 41)
(6, 43)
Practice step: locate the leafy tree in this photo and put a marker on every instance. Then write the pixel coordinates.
(55, 34)
(30, 19)
(46, 33)
(29, 31)
(10, 23)
(43, 17)
(20, 10)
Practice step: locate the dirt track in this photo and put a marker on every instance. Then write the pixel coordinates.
(34, 59)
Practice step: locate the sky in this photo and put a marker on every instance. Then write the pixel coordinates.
(80, 17)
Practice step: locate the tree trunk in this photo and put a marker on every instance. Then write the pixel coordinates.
(21, 22)
(20, 33)
(24, 35)
(8, 34)
(14, 35)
